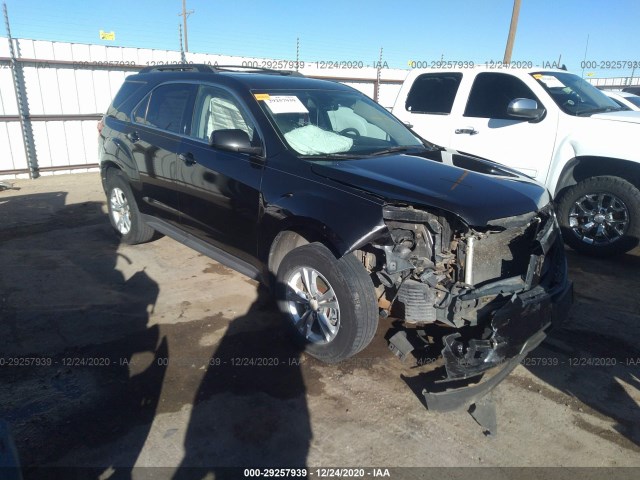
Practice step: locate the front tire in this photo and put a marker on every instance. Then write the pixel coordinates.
(330, 303)
(600, 216)
(123, 210)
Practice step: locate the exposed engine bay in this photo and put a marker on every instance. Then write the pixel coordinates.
(491, 284)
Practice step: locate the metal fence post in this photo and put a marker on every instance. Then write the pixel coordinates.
(23, 105)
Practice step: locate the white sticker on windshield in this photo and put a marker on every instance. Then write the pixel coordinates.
(550, 81)
(285, 104)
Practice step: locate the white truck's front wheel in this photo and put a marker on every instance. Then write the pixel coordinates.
(600, 216)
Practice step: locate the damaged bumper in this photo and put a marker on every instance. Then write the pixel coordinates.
(497, 362)
(518, 326)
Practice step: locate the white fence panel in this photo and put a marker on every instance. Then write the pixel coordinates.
(86, 91)
(11, 146)
(58, 144)
(80, 52)
(34, 94)
(43, 151)
(74, 134)
(8, 104)
(69, 102)
(90, 142)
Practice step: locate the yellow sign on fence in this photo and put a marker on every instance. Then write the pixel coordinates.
(107, 35)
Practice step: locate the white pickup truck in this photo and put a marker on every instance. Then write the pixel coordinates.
(548, 124)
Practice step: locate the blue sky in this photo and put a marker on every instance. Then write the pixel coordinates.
(466, 30)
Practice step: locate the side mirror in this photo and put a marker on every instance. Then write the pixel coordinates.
(525, 108)
(233, 140)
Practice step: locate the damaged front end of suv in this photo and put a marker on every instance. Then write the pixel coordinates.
(499, 287)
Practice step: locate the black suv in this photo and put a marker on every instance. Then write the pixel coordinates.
(316, 190)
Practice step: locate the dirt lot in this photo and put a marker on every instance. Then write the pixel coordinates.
(154, 355)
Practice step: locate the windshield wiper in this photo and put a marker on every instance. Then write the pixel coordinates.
(393, 150)
(385, 151)
(321, 156)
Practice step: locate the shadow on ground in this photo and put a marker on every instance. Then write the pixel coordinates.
(72, 325)
(89, 372)
(250, 409)
(595, 357)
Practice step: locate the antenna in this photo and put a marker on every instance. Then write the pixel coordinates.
(586, 48)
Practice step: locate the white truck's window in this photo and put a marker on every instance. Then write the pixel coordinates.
(491, 94)
(433, 93)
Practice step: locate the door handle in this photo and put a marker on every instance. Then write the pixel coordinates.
(133, 136)
(187, 158)
(468, 130)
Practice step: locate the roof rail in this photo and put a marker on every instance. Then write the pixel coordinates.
(179, 67)
(204, 68)
(243, 68)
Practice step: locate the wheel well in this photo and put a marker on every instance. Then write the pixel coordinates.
(105, 167)
(581, 168)
(287, 240)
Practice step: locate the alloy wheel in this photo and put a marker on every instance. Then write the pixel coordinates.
(312, 305)
(120, 210)
(599, 218)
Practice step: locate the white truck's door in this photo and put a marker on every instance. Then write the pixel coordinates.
(482, 127)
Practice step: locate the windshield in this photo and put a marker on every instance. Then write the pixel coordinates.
(321, 123)
(574, 95)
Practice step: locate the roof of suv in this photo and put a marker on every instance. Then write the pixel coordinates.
(249, 78)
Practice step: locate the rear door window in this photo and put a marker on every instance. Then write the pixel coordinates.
(433, 93)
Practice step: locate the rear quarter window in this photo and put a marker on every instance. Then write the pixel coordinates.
(168, 108)
(129, 93)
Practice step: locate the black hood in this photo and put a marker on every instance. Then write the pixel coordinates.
(476, 197)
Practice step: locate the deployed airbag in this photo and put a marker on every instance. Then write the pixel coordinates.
(312, 140)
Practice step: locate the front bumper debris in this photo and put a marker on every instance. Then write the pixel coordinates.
(519, 327)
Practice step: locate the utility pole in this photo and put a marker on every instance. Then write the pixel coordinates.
(183, 57)
(512, 31)
(376, 89)
(184, 16)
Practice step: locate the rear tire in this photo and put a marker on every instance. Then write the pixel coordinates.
(600, 216)
(330, 303)
(123, 210)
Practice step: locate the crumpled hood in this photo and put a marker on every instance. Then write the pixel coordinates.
(629, 117)
(476, 197)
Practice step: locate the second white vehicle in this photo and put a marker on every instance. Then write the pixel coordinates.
(628, 101)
